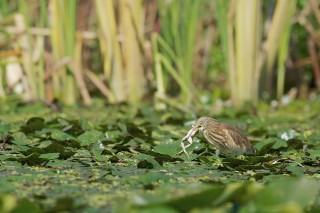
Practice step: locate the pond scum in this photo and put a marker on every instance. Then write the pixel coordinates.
(123, 160)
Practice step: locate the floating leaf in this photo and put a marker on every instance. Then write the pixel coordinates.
(63, 204)
(83, 153)
(148, 158)
(295, 169)
(152, 177)
(295, 143)
(49, 156)
(33, 160)
(25, 205)
(285, 192)
(33, 124)
(168, 149)
(45, 144)
(265, 145)
(96, 151)
(90, 136)
(111, 135)
(314, 154)
(144, 164)
(280, 144)
(186, 200)
(19, 138)
(60, 135)
(4, 129)
(55, 147)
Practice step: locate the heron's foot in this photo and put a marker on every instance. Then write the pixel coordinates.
(217, 152)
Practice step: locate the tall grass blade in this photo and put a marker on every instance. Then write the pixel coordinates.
(2, 90)
(284, 49)
(78, 72)
(63, 40)
(160, 84)
(179, 21)
(131, 23)
(24, 42)
(110, 47)
(281, 19)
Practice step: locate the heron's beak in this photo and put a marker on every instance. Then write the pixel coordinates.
(194, 131)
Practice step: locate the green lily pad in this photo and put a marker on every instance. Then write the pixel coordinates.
(49, 156)
(61, 136)
(19, 138)
(33, 124)
(90, 137)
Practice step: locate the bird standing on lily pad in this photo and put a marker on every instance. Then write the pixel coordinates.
(226, 138)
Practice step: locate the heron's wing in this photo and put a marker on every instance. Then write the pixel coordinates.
(239, 139)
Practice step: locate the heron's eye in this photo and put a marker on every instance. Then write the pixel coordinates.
(197, 126)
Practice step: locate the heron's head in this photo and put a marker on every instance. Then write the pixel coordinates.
(202, 123)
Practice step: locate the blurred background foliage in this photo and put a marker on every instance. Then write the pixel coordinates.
(170, 52)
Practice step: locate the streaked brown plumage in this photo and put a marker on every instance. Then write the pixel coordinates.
(227, 139)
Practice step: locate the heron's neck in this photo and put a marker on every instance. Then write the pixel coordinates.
(214, 124)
